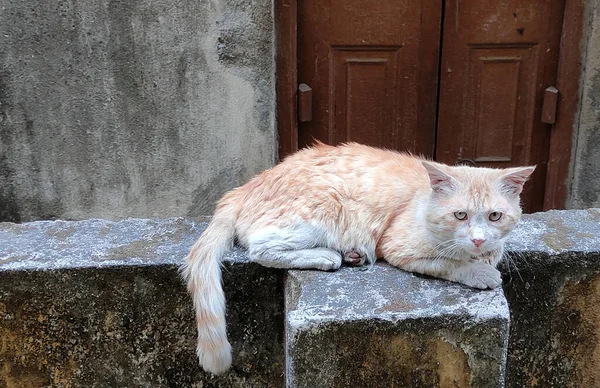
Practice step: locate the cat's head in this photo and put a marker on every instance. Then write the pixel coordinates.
(473, 209)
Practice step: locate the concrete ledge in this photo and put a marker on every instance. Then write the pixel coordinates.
(98, 303)
(99, 243)
(386, 327)
(552, 283)
(555, 232)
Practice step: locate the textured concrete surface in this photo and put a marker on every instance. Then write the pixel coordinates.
(556, 231)
(116, 108)
(386, 327)
(355, 328)
(586, 156)
(100, 304)
(552, 283)
(43, 245)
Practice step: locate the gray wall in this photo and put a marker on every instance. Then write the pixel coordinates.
(586, 157)
(132, 107)
(154, 108)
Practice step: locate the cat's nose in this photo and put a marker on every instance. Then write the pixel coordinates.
(478, 241)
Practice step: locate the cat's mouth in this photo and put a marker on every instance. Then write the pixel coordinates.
(483, 255)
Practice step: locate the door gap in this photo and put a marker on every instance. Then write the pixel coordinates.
(439, 79)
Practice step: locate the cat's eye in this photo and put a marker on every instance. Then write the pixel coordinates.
(460, 215)
(495, 216)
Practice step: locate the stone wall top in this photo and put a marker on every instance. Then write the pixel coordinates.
(557, 231)
(46, 245)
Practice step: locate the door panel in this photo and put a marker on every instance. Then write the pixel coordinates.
(364, 84)
(373, 68)
(497, 59)
(499, 102)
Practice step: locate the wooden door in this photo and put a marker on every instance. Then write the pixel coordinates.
(377, 78)
(373, 67)
(498, 57)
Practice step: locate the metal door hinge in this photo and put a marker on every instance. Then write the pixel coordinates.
(304, 103)
(550, 104)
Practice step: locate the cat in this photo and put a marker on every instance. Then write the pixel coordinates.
(327, 204)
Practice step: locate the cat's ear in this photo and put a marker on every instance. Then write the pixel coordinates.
(439, 180)
(514, 178)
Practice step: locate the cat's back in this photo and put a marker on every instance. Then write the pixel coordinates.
(353, 186)
(350, 158)
(349, 169)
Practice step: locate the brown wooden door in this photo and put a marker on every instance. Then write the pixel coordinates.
(498, 56)
(373, 67)
(375, 70)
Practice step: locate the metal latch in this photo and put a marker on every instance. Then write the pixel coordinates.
(304, 103)
(550, 104)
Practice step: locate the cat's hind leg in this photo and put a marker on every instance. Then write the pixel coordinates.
(301, 247)
(353, 257)
(315, 258)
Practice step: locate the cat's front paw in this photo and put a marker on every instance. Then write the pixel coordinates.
(481, 275)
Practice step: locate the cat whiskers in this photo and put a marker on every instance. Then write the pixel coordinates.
(510, 259)
(446, 252)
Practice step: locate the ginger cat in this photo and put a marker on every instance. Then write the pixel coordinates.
(324, 205)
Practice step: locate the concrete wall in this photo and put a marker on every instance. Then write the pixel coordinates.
(585, 190)
(98, 303)
(116, 108)
(126, 319)
(155, 108)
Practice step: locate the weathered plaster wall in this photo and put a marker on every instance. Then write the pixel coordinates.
(113, 108)
(586, 156)
(116, 108)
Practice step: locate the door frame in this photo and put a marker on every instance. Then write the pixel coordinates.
(286, 70)
(568, 75)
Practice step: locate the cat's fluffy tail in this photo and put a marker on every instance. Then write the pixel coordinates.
(202, 272)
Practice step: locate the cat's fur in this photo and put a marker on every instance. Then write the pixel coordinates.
(327, 203)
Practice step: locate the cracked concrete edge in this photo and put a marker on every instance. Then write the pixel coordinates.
(46, 245)
(383, 293)
(345, 306)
